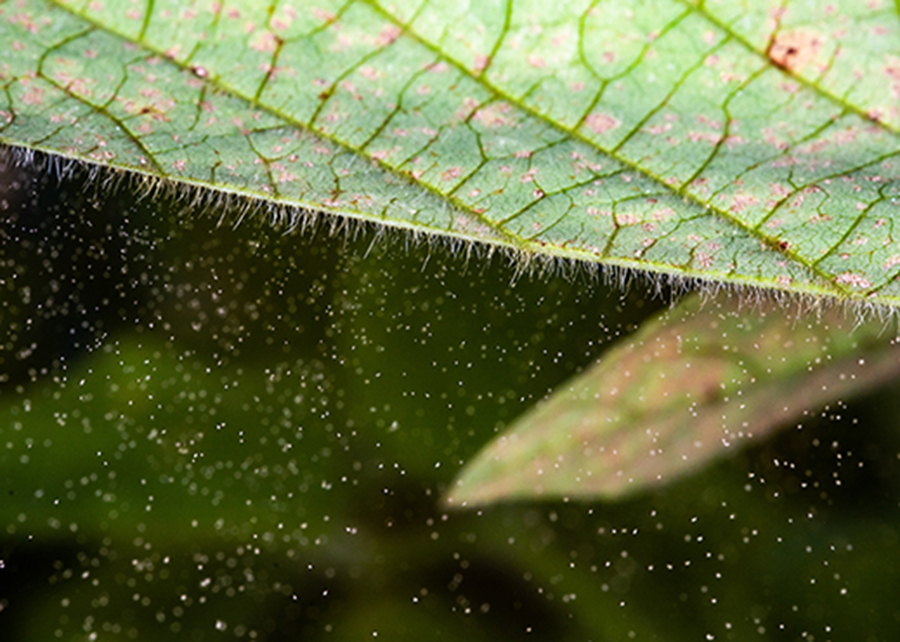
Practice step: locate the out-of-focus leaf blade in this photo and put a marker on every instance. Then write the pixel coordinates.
(696, 384)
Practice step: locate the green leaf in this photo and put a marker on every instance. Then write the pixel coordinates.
(748, 143)
(698, 383)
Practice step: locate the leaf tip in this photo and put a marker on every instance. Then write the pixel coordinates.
(464, 494)
(456, 497)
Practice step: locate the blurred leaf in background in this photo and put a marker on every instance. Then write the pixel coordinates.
(700, 381)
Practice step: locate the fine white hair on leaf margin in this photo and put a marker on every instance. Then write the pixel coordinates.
(234, 209)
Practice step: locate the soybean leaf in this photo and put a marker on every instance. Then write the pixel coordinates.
(696, 384)
(750, 143)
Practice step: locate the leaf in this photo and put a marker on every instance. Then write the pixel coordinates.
(696, 384)
(721, 140)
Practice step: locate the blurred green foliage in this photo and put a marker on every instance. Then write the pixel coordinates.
(211, 432)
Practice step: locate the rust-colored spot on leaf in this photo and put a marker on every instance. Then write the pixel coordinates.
(793, 50)
(264, 41)
(601, 123)
(33, 96)
(494, 115)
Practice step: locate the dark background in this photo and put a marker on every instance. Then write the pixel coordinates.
(211, 432)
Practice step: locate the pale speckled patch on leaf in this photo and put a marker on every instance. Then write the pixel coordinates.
(695, 385)
(563, 130)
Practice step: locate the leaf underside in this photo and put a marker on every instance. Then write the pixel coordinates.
(747, 143)
(696, 384)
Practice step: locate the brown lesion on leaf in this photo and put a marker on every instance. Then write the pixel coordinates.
(154, 107)
(33, 95)
(794, 50)
(265, 42)
(601, 123)
(494, 115)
